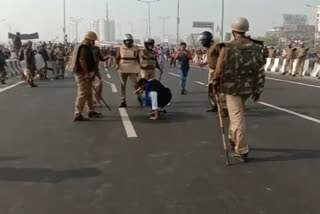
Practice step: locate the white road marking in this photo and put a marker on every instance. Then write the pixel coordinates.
(293, 82)
(173, 74)
(112, 85)
(201, 83)
(131, 133)
(282, 109)
(291, 112)
(279, 80)
(106, 70)
(109, 76)
(11, 86)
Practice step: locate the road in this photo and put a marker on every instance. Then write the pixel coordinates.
(130, 165)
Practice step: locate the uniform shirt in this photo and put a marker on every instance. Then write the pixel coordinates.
(86, 54)
(29, 57)
(212, 56)
(290, 53)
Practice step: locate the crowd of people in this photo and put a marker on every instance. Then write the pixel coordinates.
(236, 72)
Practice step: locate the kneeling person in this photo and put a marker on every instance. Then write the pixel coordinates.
(155, 95)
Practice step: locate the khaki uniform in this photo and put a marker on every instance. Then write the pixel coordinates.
(3, 72)
(84, 87)
(60, 60)
(212, 59)
(128, 68)
(240, 74)
(98, 82)
(301, 56)
(148, 64)
(290, 56)
(271, 53)
(30, 62)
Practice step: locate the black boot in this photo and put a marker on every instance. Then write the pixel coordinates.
(241, 157)
(213, 109)
(80, 118)
(94, 114)
(123, 105)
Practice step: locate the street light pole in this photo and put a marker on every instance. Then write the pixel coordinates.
(164, 18)
(222, 21)
(64, 22)
(178, 22)
(149, 13)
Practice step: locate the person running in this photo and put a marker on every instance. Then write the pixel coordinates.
(183, 57)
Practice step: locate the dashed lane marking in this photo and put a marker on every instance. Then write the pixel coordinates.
(131, 132)
(11, 86)
(291, 112)
(173, 74)
(112, 85)
(201, 83)
(109, 76)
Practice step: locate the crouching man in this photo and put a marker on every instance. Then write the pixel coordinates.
(154, 94)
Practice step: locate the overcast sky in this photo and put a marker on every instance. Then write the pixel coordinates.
(45, 16)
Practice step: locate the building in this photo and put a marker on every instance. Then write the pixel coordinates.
(295, 28)
(105, 29)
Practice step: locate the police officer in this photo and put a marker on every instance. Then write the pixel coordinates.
(206, 39)
(302, 52)
(98, 57)
(17, 44)
(148, 60)
(128, 66)
(3, 72)
(30, 65)
(60, 61)
(239, 75)
(271, 52)
(83, 64)
(45, 55)
(290, 54)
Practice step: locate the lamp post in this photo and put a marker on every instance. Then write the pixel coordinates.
(65, 39)
(178, 23)
(222, 21)
(164, 19)
(148, 2)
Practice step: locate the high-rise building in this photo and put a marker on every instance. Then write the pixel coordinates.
(106, 30)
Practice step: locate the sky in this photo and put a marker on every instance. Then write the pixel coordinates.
(46, 16)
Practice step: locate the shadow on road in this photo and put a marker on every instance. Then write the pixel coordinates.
(287, 154)
(43, 175)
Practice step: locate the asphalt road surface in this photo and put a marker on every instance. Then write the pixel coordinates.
(126, 164)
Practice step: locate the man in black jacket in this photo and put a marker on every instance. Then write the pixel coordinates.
(155, 95)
